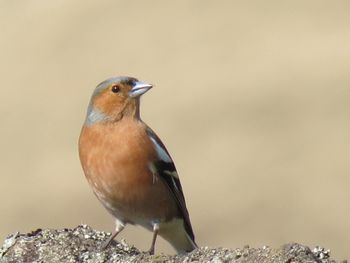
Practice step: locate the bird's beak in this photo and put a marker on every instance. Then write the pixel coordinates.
(139, 88)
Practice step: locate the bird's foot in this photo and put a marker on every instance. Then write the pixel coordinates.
(151, 251)
(106, 244)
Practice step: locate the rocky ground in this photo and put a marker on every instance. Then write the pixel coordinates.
(82, 244)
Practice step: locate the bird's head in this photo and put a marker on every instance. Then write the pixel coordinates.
(116, 98)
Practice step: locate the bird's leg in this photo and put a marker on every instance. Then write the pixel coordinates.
(155, 233)
(119, 226)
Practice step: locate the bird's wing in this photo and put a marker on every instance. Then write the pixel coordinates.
(166, 170)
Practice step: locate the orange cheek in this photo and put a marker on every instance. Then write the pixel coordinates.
(108, 103)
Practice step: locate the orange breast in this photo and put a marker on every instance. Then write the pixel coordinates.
(116, 160)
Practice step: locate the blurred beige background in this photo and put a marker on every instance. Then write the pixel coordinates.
(251, 99)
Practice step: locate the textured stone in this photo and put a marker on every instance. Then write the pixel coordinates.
(83, 244)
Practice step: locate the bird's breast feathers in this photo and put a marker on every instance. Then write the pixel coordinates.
(117, 161)
(117, 151)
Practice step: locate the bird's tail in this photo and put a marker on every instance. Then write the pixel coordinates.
(175, 233)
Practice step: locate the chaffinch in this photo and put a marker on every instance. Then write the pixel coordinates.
(129, 168)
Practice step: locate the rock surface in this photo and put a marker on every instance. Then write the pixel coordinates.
(82, 244)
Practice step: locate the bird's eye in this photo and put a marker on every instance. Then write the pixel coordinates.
(115, 89)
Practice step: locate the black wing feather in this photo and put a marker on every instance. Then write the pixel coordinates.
(164, 170)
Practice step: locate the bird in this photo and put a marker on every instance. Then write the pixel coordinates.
(128, 167)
